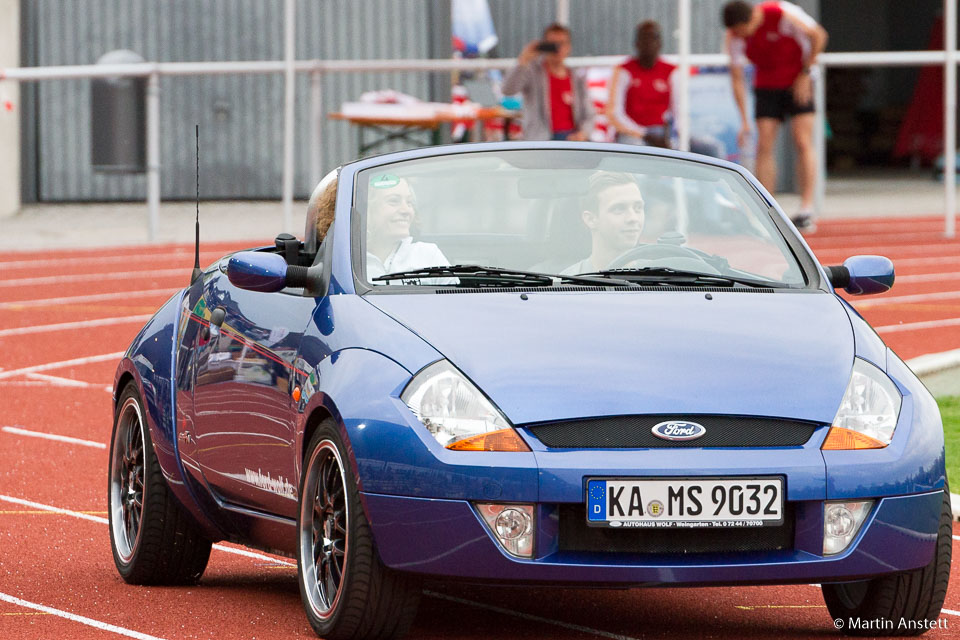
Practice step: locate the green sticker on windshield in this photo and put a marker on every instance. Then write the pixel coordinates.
(385, 181)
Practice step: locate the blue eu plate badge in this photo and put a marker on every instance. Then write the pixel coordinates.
(597, 500)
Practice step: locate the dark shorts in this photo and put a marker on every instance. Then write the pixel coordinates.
(778, 103)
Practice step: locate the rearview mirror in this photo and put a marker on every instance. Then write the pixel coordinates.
(863, 275)
(265, 272)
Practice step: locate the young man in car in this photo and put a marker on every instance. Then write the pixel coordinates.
(555, 101)
(613, 211)
(783, 42)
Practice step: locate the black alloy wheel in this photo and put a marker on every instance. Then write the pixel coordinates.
(153, 539)
(346, 590)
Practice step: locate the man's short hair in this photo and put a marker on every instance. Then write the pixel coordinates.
(556, 27)
(736, 12)
(600, 182)
(647, 25)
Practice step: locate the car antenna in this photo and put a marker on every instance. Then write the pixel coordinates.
(196, 250)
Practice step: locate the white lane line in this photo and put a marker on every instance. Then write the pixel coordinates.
(885, 235)
(50, 436)
(921, 262)
(527, 616)
(928, 277)
(90, 622)
(897, 250)
(57, 381)
(79, 324)
(42, 383)
(133, 257)
(94, 297)
(63, 363)
(917, 326)
(87, 277)
(47, 507)
(916, 297)
(101, 520)
(950, 611)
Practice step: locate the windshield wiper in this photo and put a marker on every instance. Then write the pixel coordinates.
(476, 275)
(666, 275)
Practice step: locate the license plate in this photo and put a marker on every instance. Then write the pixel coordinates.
(685, 502)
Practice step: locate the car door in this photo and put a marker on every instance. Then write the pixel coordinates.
(244, 412)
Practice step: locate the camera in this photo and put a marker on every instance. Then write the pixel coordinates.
(547, 47)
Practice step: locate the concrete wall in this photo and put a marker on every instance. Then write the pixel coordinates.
(9, 117)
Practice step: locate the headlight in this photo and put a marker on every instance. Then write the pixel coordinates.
(455, 412)
(868, 412)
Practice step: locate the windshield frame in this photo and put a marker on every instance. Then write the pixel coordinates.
(350, 176)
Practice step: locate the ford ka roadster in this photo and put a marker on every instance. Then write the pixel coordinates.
(533, 364)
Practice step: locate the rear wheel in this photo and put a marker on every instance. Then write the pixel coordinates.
(346, 590)
(911, 596)
(153, 540)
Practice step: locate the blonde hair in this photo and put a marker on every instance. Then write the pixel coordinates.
(326, 207)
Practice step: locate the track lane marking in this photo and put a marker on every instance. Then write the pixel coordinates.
(915, 297)
(87, 277)
(527, 616)
(928, 277)
(94, 297)
(916, 326)
(63, 363)
(751, 607)
(98, 259)
(90, 622)
(58, 381)
(79, 324)
(41, 512)
(84, 516)
(50, 436)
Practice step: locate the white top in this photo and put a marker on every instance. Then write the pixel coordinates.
(405, 256)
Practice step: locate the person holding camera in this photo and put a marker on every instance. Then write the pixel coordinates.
(555, 102)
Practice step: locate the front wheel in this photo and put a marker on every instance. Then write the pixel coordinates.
(346, 590)
(908, 600)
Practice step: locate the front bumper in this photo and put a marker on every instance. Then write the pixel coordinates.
(447, 538)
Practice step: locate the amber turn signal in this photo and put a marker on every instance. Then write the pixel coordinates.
(840, 438)
(502, 440)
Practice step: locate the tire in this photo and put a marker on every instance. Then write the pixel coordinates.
(346, 590)
(912, 596)
(154, 541)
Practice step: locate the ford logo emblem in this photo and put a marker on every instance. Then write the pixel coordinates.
(678, 430)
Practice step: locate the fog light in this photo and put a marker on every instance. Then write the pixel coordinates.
(512, 525)
(841, 522)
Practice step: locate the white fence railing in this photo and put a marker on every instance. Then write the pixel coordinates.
(318, 68)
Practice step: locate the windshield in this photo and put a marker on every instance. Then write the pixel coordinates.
(564, 212)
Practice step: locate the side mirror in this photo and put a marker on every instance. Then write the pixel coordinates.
(863, 275)
(265, 272)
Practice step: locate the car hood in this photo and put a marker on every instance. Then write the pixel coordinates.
(565, 355)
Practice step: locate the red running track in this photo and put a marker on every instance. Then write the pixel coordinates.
(921, 313)
(52, 381)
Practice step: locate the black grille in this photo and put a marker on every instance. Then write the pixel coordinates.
(634, 432)
(575, 535)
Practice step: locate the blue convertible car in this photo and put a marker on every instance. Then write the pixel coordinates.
(540, 363)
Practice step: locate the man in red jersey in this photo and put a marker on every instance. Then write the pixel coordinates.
(640, 91)
(782, 41)
(641, 96)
